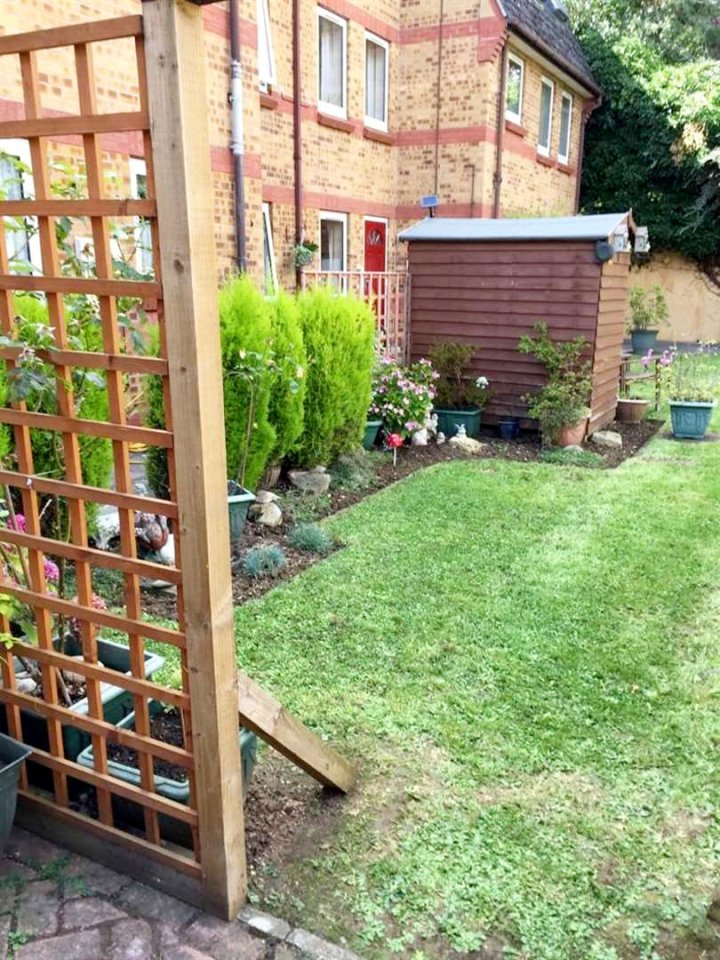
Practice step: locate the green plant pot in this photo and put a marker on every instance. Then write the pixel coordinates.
(690, 421)
(643, 340)
(117, 702)
(177, 790)
(12, 755)
(372, 428)
(239, 500)
(450, 420)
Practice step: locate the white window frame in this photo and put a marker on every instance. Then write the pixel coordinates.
(21, 150)
(334, 216)
(509, 114)
(373, 121)
(267, 228)
(544, 149)
(138, 168)
(265, 36)
(386, 224)
(566, 97)
(331, 109)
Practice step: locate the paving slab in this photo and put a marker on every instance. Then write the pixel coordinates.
(71, 946)
(38, 908)
(131, 940)
(89, 912)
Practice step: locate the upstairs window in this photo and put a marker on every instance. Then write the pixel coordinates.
(566, 109)
(21, 240)
(332, 63)
(143, 230)
(266, 54)
(514, 89)
(547, 95)
(376, 82)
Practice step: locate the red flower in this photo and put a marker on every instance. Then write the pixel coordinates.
(394, 441)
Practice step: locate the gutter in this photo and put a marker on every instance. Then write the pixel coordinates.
(237, 141)
(297, 132)
(500, 125)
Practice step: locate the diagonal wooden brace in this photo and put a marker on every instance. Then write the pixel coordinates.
(268, 718)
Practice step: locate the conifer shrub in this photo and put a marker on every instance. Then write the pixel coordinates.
(338, 331)
(245, 331)
(287, 399)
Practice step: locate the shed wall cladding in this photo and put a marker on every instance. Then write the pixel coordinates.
(489, 294)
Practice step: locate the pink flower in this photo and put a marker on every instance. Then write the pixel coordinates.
(52, 571)
(19, 523)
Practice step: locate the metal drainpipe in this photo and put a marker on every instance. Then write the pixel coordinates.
(297, 131)
(438, 98)
(237, 141)
(497, 179)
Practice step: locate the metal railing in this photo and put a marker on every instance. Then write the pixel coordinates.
(388, 292)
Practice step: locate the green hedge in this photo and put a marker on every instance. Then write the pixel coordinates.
(287, 400)
(339, 336)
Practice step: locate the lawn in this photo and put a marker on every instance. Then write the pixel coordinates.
(523, 661)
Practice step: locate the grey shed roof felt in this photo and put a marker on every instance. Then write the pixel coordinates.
(539, 23)
(460, 229)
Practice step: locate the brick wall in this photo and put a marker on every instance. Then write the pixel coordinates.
(345, 170)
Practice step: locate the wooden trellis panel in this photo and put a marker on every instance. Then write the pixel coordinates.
(194, 850)
(171, 93)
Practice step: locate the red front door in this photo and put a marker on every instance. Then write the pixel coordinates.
(375, 237)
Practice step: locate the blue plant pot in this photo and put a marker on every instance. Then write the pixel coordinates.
(690, 421)
(450, 420)
(643, 340)
(509, 428)
(372, 428)
(239, 500)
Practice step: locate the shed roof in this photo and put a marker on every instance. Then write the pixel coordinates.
(544, 23)
(477, 229)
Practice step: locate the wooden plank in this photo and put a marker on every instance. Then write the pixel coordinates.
(77, 208)
(137, 795)
(100, 558)
(87, 428)
(267, 717)
(109, 498)
(93, 32)
(100, 728)
(48, 601)
(120, 362)
(144, 688)
(459, 308)
(177, 98)
(143, 289)
(74, 125)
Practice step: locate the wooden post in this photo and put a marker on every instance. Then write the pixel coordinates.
(181, 153)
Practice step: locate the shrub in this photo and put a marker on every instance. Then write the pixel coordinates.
(263, 561)
(354, 470)
(339, 333)
(156, 464)
(648, 309)
(403, 396)
(287, 400)
(456, 389)
(245, 328)
(311, 538)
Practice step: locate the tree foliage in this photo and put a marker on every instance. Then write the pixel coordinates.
(654, 144)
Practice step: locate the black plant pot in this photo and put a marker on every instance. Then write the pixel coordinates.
(12, 754)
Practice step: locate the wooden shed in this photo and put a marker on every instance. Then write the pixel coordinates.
(485, 282)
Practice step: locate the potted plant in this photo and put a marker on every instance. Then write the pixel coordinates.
(561, 406)
(648, 312)
(691, 387)
(372, 429)
(303, 253)
(402, 397)
(460, 396)
(12, 755)
(171, 781)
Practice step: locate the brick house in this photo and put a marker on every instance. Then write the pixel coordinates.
(483, 105)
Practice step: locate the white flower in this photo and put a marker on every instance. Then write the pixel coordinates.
(482, 383)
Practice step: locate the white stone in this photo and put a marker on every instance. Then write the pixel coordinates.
(267, 514)
(607, 438)
(574, 448)
(315, 481)
(420, 438)
(26, 685)
(166, 554)
(266, 496)
(108, 526)
(440, 438)
(466, 444)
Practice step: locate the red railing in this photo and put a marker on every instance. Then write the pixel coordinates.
(388, 293)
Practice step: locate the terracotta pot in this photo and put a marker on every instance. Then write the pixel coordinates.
(572, 435)
(631, 411)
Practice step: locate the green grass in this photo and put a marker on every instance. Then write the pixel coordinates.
(524, 663)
